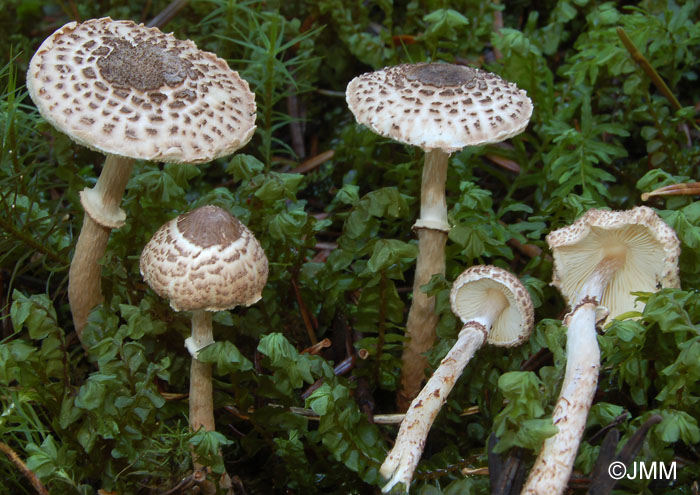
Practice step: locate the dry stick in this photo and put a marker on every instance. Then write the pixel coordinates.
(19, 464)
(422, 320)
(660, 84)
(551, 471)
(684, 188)
(648, 69)
(84, 276)
(167, 13)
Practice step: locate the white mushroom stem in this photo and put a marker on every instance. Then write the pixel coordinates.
(404, 456)
(432, 228)
(101, 205)
(552, 469)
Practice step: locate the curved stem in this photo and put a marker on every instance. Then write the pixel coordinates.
(84, 276)
(102, 211)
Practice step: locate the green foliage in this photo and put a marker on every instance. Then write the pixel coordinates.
(113, 416)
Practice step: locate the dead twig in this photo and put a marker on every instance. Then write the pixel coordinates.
(22, 467)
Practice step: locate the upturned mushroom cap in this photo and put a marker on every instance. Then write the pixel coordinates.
(126, 89)
(649, 246)
(205, 260)
(439, 106)
(471, 292)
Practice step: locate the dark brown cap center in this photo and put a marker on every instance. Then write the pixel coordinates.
(441, 75)
(209, 226)
(144, 66)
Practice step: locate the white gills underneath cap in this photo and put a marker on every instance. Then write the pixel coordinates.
(439, 106)
(205, 260)
(495, 307)
(646, 247)
(480, 286)
(126, 89)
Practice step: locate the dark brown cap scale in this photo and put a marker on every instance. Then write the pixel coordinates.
(439, 106)
(205, 260)
(127, 89)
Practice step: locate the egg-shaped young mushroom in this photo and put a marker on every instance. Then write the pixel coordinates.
(204, 261)
(440, 108)
(496, 308)
(132, 92)
(599, 261)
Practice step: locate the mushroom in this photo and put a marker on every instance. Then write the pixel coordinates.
(598, 261)
(495, 308)
(441, 108)
(204, 261)
(132, 92)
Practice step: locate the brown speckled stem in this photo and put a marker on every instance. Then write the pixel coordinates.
(84, 276)
(432, 230)
(401, 462)
(551, 471)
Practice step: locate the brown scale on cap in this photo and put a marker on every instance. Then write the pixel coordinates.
(129, 90)
(450, 106)
(205, 259)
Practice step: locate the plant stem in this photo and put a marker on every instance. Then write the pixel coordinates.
(432, 230)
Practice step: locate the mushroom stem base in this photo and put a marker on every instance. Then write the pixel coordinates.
(84, 276)
(422, 320)
(551, 471)
(404, 456)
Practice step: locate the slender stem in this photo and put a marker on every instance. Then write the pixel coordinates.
(551, 471)
(84, 276)
(404, 456)
(201, 394)
(422, 320)
(432, 230)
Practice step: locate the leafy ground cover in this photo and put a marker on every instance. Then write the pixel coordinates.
(333, 205)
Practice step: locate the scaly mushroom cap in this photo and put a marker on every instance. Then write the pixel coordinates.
(650, 247)
(126, 89)
(205, 260)
(473, 289)
(439, 106)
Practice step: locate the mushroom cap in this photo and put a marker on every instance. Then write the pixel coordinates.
(205, 260)
(123, 88)
(439, 106)
(650, 246)
(471, 292)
